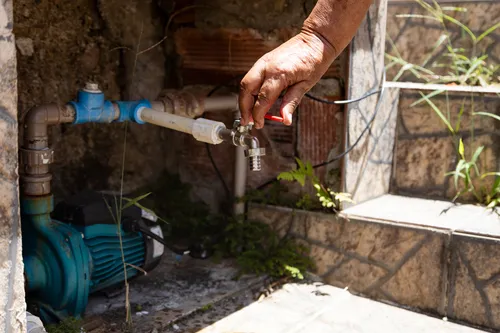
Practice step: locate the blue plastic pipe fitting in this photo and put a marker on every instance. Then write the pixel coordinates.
(92, 107)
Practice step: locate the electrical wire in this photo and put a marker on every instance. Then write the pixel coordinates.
(366, 129)
(217, 171)
(381, 93)
(210, 156)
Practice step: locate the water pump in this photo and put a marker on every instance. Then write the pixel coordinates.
(78, 250)
(78, 247)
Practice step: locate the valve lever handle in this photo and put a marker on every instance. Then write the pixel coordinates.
(274, 118)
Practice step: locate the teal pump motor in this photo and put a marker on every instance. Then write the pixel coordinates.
(77, 247)
(78, 251)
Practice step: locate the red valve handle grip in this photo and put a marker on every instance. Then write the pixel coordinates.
(274, 118)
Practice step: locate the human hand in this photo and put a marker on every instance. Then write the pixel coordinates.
(297, 65)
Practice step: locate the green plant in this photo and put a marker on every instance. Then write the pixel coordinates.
(68, 325)
(467, 176)
(467, 171)
(259, 250)
(460, 65)
(305, 173)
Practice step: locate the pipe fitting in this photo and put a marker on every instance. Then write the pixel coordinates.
(36, 162)
(240, 137)
(39, 118)
(36, 185)
(91, 106)
(180, 103)
(129, 111)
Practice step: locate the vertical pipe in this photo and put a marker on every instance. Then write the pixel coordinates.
(240, 177)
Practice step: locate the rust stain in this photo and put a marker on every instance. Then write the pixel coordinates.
(231, 51)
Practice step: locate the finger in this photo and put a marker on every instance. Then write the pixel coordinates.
(268, 94)
(249, 89)
(291, 101)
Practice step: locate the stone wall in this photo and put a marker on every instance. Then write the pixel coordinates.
(415, 38)
(12, 304)
(439, 271)
(425, 150)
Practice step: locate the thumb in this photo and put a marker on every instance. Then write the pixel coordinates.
(291, 101)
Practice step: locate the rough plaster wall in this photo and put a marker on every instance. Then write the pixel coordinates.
(62, 45)
(12, 305)
(262, 15)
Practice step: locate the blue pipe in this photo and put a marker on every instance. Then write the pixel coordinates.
(92, 107)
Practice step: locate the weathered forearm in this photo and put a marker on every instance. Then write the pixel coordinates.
(336, 21)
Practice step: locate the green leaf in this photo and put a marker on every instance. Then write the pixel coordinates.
(288, 176)
(300, 163)
(493, 204)
(149, 211)
(418, 16)
(438, 112)
(475, 64)
(487, 114)
(439, 42)
(455, 9)
(461, 25)
(460, 113)
(491, 174)
(132, 202)
(432, 94)
(487, 32)
(478, 152)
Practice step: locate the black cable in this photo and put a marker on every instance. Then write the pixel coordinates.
(381, 92)
(367, 128)
(217, 171)
(210, 156)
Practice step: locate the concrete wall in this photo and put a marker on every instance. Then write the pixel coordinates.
(12, 304)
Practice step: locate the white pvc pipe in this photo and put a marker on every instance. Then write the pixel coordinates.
(168, 120)
(240, 177)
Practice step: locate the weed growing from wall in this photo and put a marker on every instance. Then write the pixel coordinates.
(469, 177)
(305, 173)
(459, 65)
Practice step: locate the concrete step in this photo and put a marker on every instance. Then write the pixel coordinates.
(318, 308)
(425, 255)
